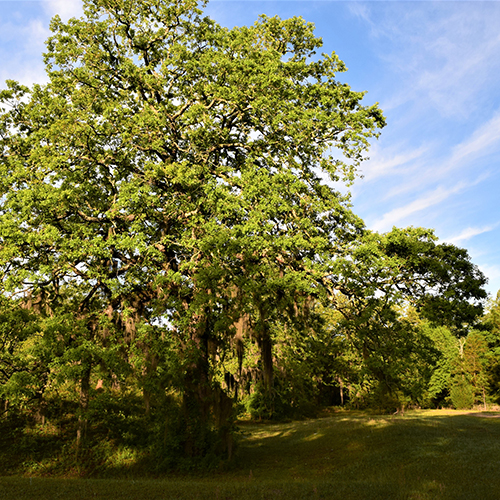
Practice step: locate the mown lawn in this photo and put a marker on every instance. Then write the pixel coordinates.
(421, 455)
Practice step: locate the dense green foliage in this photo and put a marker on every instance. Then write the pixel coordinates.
(172, 255)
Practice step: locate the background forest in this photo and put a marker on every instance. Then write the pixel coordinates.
(177, 247)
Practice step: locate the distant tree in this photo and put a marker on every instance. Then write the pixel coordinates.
(388, 332)
(468, 375)
(448, 347)
(401, 268)
(491, 332)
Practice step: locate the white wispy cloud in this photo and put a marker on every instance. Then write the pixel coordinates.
(470, 232)
(492, 272)
(465, 70)
(448, 53)
(483, 141)
(64, 8)
(387, 161)
(440, 63)
(29, 36)
(27, 67)
(463, 157)
(429, 199)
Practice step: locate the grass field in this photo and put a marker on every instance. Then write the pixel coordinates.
(421, 455)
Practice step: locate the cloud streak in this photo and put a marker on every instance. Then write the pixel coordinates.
(449, 53)
(29, 40)
(426, 169)
(469, 233)
(64, 8)
(386, 161)
(435, 197)
(483, 141)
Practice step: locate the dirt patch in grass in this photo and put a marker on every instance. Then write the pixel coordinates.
(484, 414)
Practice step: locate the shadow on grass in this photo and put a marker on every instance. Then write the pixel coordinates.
(439, 456)
(345, 456)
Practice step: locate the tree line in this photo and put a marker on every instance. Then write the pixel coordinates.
(175, 249)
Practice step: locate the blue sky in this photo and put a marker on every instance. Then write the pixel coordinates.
(434, 67)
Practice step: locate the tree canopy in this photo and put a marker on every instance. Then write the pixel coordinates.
(169, 196)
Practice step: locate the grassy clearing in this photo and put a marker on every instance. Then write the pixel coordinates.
(422, 455)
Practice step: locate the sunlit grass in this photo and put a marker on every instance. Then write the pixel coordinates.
(421, 455)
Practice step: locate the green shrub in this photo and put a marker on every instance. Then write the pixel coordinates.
(284, 401)
(462, 395)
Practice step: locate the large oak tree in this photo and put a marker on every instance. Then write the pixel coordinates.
(169, 177)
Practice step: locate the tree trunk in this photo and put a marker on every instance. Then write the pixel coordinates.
(151, 364)
(266, 350)
(223, 412)
(84, 405)
(197, 395)
(5, 407)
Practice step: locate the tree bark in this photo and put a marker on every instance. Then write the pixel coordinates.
(81, 431)
(197, 393)
(266, 349)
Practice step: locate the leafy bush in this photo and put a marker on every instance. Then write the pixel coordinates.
(462, 395)
(284, 401)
